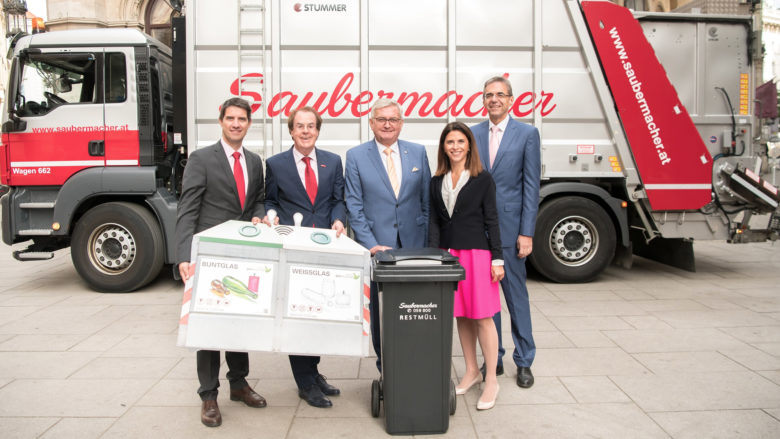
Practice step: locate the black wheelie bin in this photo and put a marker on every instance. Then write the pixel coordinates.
(416, 289)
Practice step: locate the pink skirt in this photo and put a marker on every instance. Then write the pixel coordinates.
(476, 297)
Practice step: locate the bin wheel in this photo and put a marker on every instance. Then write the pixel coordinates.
(375, 396)
(453, 398)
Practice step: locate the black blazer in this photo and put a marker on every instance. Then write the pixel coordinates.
(209, 196)
(474, 221)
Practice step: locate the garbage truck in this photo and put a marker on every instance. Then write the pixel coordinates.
(649, 139)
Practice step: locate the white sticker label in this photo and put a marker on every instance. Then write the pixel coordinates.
(324, 293)
(234, 286)
(770, 188)
(752, 175)
(586, 149)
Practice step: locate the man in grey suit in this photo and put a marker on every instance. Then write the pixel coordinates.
(510, 151)
(387, 193)
(221, 182)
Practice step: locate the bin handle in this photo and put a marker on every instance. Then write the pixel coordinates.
(388, 257)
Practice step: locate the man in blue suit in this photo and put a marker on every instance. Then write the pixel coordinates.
(510, 151)
(387, 194)
(310, 181)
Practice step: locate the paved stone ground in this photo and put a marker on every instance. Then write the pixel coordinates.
(650, 352)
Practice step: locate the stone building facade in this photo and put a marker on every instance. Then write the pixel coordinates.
(151, 16)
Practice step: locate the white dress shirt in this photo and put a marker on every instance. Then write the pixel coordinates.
(501, 128)
(396, 156)
(449, 194)
(301, 165)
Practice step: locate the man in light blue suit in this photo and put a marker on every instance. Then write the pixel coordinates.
(510, 151)
(387, 193)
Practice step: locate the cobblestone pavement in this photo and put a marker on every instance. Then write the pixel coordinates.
(648, 352)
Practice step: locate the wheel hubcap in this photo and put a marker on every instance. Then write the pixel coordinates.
(574, 240)
(111, 248)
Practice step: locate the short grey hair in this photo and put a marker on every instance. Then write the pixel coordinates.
(500, 79)
(384, 103)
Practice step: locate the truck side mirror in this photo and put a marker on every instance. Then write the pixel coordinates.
(63, 84)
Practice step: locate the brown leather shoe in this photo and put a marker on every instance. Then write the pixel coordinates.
(248, 396)
(209, 414)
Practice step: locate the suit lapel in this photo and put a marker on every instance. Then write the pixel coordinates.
(224, 165)
(484, 145)
(323, 176)
(253, 168)
(507, 140)
(464, 190)
(437, 184)
(291, 170)
(372, 151)
(406, 168)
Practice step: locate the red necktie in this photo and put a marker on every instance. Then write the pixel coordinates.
(311, 180)
(238, 174)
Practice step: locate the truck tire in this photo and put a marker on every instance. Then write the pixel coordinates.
(117, 247)
(574, 240)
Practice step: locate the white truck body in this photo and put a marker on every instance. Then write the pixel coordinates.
(609, 182)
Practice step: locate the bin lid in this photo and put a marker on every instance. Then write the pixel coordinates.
(415, 256)
(416, 265)
(241, 233)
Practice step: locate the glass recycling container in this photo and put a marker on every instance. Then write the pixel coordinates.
(297, 290)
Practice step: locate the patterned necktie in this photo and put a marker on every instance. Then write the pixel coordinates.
(238, 174)
(493, 145)
(311, 180)
(391, 171)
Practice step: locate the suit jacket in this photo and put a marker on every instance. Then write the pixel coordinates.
(210, 197)
(516, 172)
(474, 220)
(375, 215)
(286, 194)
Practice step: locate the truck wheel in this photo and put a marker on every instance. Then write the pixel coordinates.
(117, 247)
(574, 240)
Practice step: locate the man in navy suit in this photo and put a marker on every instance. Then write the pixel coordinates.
(307, 180)
(387, 194)
(510, 151)
(221, 182)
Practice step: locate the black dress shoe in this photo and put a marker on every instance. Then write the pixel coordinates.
(499, 370)
(209, 414)
(325, 387)
(525, 378)
(314, 396)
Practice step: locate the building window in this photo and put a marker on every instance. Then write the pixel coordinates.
(157, 20)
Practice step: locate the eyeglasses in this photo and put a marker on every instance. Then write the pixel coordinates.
(499, 95)
(384, 120)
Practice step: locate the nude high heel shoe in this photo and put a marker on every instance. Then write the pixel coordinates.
(463, 390)
(488, 405)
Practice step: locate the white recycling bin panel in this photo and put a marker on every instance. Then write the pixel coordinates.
(287, 289)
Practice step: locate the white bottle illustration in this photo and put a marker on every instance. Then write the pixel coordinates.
(343, 300)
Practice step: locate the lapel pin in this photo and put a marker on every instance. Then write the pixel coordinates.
(415, 169)
(322, 165)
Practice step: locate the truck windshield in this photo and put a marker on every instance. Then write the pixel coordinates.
(52, 80)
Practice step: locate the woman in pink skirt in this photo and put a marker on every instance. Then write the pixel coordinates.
(465, 221)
